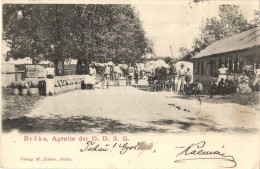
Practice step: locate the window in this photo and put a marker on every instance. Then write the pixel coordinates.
(226, 62)
(241, 66)
(198, 67)
(212, 67)
(235, 65)
(230, 65)
(195, 67)
(202, 67)
(220, 63)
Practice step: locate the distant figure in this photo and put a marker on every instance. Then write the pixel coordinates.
(164, 77)
(191, 88)
(198, 90)
(130, 74)
(188, 79)
(222, 73)
(230, 87)
(82, 67)
(111, 72)
(221, 86)
(249, 71)
(157, 72)
(243, 86)
(213, 88)
(256, 82)
(92, 74)
(106, 77)
(49, 79)
(136, 74)
(181, 78)
(117, 72)
(230, 77)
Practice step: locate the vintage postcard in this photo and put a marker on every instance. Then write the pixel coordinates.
(130, 84)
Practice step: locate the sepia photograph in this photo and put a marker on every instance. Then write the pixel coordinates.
(119, 69)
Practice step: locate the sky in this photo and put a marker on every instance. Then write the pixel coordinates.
(177, 24)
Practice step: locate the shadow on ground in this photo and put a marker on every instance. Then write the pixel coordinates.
(190, 123)
(73, 124)
(243, 99)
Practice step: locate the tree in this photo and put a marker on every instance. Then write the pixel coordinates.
(60, 32)
(230, 21)
(256, 20)
(184, 52)
(38, 31)
(114, 32)
(168, 59)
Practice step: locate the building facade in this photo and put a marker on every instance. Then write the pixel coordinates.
(234, 52)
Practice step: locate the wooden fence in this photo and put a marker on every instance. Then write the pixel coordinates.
(8, 74)
(12, 72)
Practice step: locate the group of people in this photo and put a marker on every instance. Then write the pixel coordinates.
(226, 85)
(113, 72)
(179, 80)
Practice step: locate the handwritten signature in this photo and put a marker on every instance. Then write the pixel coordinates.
(196, 151)
(122, 147)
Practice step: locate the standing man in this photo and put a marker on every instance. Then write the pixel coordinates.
(106, 77)
(92, 74)
(130, 74)
(181, 78)
(188, 79)
(111, 72)
(136, 74)
(117, 74)
(222, 73)
(49, 79)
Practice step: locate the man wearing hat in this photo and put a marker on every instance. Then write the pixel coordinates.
(181, 78)
(49, 79)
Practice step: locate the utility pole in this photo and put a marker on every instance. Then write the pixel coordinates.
(171, 50)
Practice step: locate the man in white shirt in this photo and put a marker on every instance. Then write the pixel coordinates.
(257, 77)
(106, 77)
(92, 74)
(130, 74)
(222, 73)
(49, 79)
(181, 78)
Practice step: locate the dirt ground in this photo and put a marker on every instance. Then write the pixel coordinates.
(131, 110)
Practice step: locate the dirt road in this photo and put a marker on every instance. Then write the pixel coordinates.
(128, 109)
